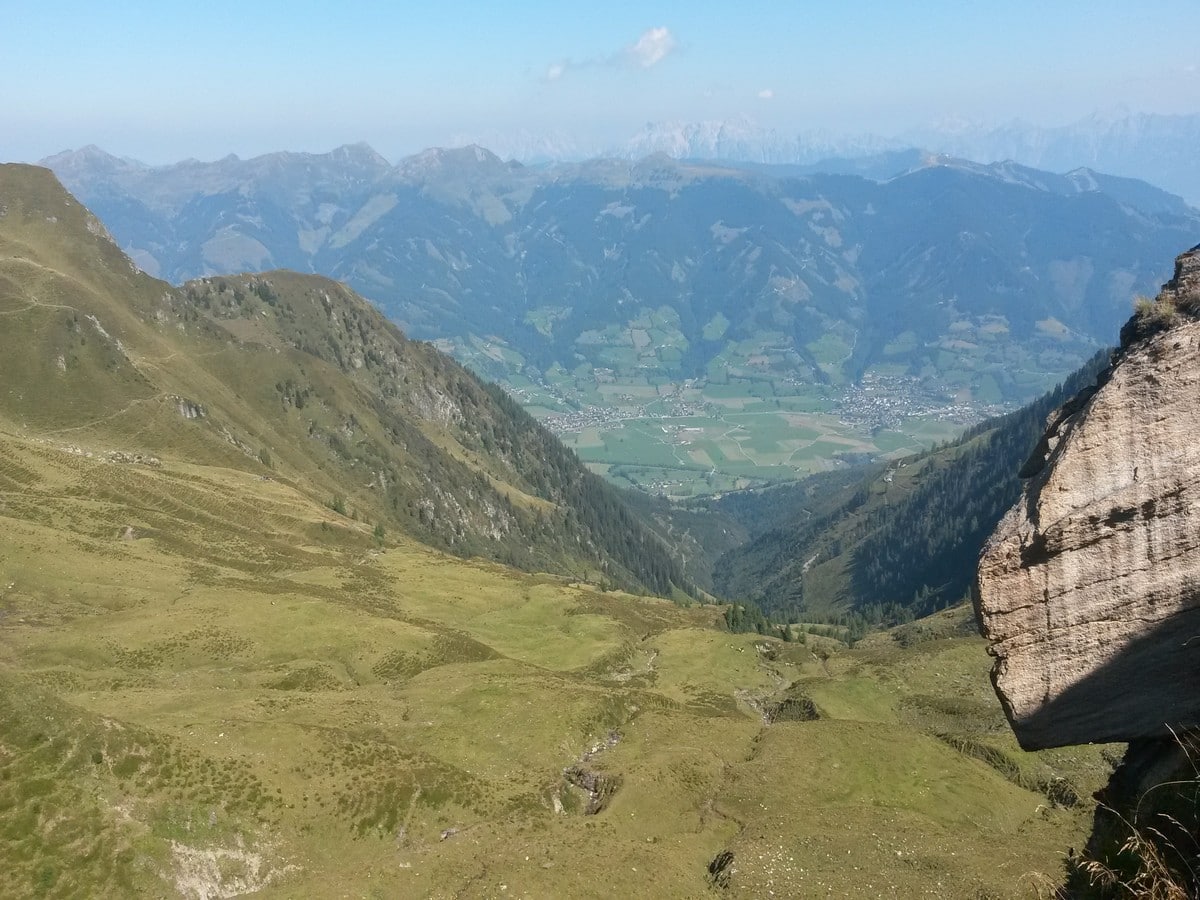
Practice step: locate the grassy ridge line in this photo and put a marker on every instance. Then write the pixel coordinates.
(296, 377)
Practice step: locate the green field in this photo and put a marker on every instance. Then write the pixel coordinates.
(624, 380)
(737, 440)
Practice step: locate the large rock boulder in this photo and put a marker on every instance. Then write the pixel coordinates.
(1089, 589)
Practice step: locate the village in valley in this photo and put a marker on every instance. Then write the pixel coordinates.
(763, 410)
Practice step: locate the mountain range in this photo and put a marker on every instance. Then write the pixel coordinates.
(1154, 147)
(981, 282)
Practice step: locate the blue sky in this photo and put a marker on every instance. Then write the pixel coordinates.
(164, 81)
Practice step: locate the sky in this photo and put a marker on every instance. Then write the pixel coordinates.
(165, 81)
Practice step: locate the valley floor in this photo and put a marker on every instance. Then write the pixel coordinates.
(211, 685)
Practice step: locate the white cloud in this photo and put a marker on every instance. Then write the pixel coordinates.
(652, 47)
(655, 45)
(766, 94)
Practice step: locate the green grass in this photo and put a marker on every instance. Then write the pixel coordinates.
(716, 327)
(292, 692)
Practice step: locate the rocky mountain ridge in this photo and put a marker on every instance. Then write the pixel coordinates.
(1087, 587)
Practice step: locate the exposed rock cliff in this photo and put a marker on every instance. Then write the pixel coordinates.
(1089, 589)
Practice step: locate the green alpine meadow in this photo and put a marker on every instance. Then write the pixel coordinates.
(294, 606)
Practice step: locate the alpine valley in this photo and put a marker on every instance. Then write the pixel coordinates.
(689, 328)
(293, 605)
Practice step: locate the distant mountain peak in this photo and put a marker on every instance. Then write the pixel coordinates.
(91, 158)
(91, 151)
(442, 161)
(361, 153)
(1084, 179)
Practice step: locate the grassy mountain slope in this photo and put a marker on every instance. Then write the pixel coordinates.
(210, 683)
(294, 378)
(213, 683)
(890, 537)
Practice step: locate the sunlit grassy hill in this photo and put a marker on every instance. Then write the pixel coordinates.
(291, 377)
(194, 704)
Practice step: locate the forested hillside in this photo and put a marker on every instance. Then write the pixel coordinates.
(891, 540)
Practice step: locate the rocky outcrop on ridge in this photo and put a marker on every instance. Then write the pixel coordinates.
(1185, 286)
(1089, 589)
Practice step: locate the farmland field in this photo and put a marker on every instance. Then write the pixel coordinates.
(763, 409)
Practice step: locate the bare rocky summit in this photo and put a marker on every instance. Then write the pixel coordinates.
(1089, 589)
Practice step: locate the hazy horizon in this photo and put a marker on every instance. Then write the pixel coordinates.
(161, 85)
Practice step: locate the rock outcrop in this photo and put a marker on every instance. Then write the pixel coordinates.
(1184, 288)
(1089, 589)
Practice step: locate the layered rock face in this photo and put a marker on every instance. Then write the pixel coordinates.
(1186, 283)
(1089, 589)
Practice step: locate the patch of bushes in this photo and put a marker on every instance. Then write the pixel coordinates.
(1154, 315)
